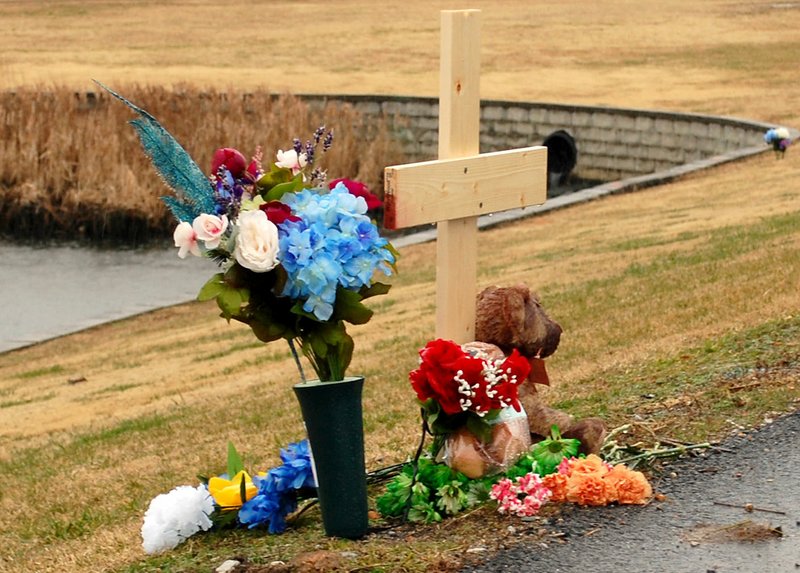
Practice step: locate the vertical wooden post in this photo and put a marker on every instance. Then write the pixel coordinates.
(459, 136)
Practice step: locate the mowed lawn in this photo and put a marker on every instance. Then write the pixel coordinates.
(679, 303)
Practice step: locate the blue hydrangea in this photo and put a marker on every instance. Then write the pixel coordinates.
(334, 244)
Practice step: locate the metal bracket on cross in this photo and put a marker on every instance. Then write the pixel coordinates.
(462, 184)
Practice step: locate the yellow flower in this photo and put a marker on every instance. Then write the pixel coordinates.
(227, 493)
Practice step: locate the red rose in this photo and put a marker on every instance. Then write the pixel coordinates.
(278, 212)
(231, 159)
(359, 190)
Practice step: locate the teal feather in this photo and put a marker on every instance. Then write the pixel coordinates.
(195, 194)
(181, 211)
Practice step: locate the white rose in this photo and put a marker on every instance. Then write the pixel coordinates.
(210, 228)
(257, 242)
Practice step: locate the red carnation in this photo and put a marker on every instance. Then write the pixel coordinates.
(359, 190)
(278, 212)
(452, 377)
(231, 159)
(434, 377)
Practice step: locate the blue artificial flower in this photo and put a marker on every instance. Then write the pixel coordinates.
(276, 497)
(261, 509)
(298, 457)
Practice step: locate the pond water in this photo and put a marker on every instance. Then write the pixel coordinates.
(58, 289)
(55, 290)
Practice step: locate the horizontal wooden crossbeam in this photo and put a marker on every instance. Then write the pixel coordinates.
(449, 189)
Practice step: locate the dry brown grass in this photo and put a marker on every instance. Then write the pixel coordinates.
(736, 58)
(69, 167)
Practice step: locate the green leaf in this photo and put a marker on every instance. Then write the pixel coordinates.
(549, 453)
(478, 493)
(213, 287)
(281, 189)
(235, 464)
(348, 307)
(224, 519)
(275, 176)
(266, 329)
(435, 475)
(243, 490)
(230, 301)
(479, 427)
(452, 498)
(398, 491)
(424, 513)
(374, 290)
(395, 253)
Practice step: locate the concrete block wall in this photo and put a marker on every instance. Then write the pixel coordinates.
(612, 143)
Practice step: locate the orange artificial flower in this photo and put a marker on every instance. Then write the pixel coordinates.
(588, 489)
(629, 487)
(557, 484)
(591, 464)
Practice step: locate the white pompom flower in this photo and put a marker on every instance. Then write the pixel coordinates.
(175, 516)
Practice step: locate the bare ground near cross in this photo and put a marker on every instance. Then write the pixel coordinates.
(679, 303)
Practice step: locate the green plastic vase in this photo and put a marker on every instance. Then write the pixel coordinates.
(333, 417)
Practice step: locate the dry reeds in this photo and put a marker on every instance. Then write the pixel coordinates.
(71, 168)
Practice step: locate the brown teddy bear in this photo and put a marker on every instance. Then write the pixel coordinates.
(512, 317)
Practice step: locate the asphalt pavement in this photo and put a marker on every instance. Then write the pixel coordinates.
(702, 525)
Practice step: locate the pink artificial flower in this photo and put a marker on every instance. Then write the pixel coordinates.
(254, 170)
(530, 506)
(210, 228)
(502, 489)
(186, 240)
(290, 159)
(522, 498)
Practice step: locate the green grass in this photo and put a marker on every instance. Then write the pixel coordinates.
(22, 402)
(714, 374)
(40, 372)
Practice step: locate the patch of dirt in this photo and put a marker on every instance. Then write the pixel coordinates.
(742, 531)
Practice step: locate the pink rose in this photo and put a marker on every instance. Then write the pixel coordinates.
(210, 228)
(186, 240)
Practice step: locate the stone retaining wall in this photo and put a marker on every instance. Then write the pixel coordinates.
(612, 143)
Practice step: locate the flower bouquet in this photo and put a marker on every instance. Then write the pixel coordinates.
(779, 138)
(298, 257)
(470, 403)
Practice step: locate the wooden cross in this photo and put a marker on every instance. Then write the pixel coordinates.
(461, 185)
